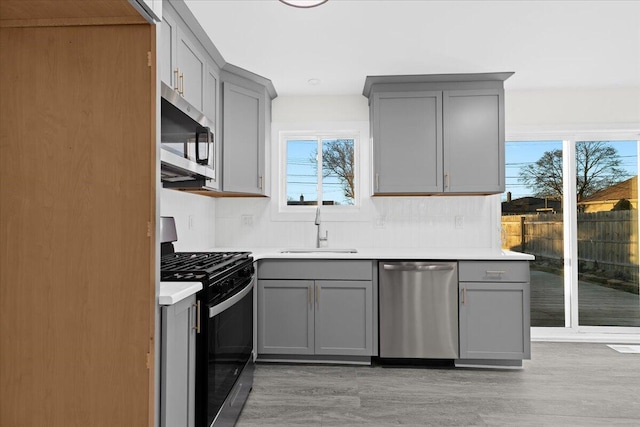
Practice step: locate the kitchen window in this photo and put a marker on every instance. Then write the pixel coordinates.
(319, 170)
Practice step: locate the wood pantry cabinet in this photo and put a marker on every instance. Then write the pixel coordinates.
(78, 256)
(440, 134)
(332, 315)
(494, 310)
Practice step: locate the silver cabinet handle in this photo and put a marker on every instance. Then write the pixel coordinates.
(197, 327)
(464, 295)
(436, 267)
(495, 272)
(446, 181)
(377, 182)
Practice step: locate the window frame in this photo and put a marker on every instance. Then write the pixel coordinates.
(319, 136)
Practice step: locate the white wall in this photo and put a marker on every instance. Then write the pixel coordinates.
(195, 219)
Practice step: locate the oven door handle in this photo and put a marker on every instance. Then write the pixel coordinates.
(219, 308)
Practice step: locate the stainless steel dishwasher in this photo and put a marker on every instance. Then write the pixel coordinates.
(418, 309)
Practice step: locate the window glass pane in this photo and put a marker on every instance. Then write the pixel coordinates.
(607, 200)
(302, 175)
(338, 187)
(532, 222)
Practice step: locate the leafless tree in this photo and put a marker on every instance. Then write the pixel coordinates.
(337, 161)
(596, 168)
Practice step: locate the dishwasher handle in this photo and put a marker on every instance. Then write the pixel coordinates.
(410, 267)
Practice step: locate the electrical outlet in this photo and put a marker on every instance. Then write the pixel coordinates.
(247, 220)
(378, 222)
(459, 221)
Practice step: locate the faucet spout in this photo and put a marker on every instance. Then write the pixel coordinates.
(317, 223)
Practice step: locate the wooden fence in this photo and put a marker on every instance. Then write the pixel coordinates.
(607, 241)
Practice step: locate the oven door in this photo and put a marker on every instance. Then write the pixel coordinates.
(230, 346)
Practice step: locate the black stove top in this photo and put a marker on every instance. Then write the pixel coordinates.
(221, 273)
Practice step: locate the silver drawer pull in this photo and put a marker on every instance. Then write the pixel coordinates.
(397, 267)
(495, 272)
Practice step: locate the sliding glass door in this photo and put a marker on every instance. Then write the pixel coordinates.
(607, 232)
(574, 205)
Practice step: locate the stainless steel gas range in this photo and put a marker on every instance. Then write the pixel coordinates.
(224, 343)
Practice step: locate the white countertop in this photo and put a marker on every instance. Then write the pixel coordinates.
(173, 292)
(391, 253)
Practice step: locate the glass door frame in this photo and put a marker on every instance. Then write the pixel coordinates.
(573, 331)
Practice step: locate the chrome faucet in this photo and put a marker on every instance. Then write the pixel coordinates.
(317, 222)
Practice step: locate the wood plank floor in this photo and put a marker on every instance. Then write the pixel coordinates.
(597, 305)
(565, 384)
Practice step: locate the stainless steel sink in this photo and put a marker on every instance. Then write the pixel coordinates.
(319, 250)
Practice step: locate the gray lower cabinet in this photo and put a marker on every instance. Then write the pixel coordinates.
(326, 317)
(285, 317)
(177, 379)
(494, 310)
(318, 307)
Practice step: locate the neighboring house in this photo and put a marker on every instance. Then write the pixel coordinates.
(529, 205)
(606, 199)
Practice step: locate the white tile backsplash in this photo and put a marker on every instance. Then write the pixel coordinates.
(195, 219)
(427, 222)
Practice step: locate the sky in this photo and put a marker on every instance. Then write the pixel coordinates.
(302, 174)
(519, 154)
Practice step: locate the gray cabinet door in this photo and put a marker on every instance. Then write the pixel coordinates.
(285, 317)
(178, 364)
(494, 321)
(168, 37)
(343, 318)
(191, 65)
(407, 140)
(473, 141)
(243, 128)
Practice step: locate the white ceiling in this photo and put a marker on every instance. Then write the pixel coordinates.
(549, 44)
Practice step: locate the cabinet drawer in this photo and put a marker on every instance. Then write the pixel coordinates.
(493, 271)
(315, 269)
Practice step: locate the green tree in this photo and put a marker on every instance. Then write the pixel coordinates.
(597, 167)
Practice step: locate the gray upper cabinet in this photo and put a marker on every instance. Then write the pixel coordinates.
(243, 127)
(408, 141)
(186, 66)
(437, 133)
(474, 141)
(246, 129)
(168, 39)
(190, 69)
(494, 310)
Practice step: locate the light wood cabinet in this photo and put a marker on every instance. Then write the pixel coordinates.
(439, 134)
(78, 257)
